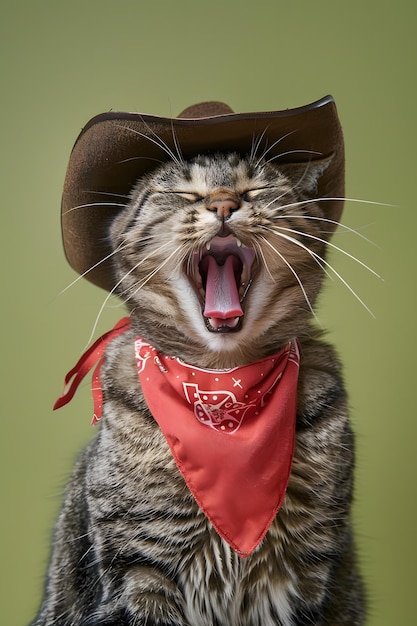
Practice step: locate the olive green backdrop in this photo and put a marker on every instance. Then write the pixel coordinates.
(62, 63)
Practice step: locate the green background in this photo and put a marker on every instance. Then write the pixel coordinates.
(61, 64)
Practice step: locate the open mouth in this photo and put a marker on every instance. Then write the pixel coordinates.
(221, 275)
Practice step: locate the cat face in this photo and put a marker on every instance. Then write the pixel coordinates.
(219, 259)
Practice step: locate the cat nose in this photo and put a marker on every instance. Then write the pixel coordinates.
(223, 202)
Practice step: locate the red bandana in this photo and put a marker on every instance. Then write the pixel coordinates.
(231, 432)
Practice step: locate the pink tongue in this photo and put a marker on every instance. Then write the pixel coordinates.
(222, 296)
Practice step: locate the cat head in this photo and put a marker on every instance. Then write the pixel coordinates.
(220, 258)
(219, 255)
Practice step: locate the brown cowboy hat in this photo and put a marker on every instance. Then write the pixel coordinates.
(114, 149)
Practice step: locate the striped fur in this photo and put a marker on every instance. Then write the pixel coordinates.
(131, 547)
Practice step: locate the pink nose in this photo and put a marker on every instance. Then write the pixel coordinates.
(223, 202)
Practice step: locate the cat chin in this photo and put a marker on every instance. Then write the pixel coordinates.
(220, 349)
(223, 326)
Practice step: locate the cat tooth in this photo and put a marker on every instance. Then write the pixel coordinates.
(208, 246)
(238, 243)
(235, 322)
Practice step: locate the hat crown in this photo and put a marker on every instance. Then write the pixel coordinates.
(206, 109)
(115, 149)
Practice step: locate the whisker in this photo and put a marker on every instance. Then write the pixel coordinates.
(330, 244)
(190, 264)
(176, 143)
(352, 291)
(299, 184)
(290, 267)
(120, 247)
(90, 204)
(119, 282)
(265, 152)
(326, 219)
(300, 203)
(314, 254)
(151, 274)
(256, 142)
(329, 199)
(138, 158)
(157, 142)
(283, 206)
(109, 193)
(282, 154)
(261, 254)
(106, 299)
(134, 268)
(316, 257)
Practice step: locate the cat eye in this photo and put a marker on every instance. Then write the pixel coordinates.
(251, 194)
(191, 197)
(187, 195)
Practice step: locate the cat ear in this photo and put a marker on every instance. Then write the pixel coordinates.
(306, 176)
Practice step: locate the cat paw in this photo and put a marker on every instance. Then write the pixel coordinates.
(127, 618)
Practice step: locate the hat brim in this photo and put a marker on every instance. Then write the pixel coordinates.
(115, 149)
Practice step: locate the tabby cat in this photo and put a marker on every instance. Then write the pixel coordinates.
(132, 546)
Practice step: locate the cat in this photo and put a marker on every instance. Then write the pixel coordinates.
(131, 545)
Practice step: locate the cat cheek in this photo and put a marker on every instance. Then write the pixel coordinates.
(188, 301)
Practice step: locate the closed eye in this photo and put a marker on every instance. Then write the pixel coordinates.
(187, 195)
(251, 194)
(191, 197)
